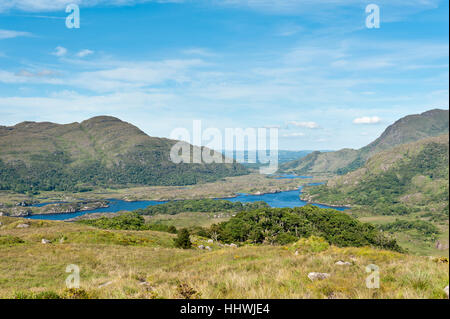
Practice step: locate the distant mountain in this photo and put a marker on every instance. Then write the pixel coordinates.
(409, 178)
(408, 129)
(100, 151)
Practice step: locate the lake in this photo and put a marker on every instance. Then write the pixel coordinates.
(282, 199)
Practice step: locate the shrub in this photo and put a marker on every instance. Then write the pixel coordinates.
(183, 239)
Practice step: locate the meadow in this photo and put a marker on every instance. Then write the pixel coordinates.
(145, 264)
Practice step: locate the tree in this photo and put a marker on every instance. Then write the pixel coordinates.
(183, 239)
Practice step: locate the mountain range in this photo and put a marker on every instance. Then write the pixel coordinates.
(407, 129)
(100, 151)
(408, 178)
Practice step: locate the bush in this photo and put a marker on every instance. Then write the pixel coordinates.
(284, 225)
(183, 239)
(75, 293)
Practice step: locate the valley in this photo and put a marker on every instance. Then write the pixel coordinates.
(390, 209)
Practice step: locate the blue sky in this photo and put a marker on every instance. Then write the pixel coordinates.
(311, 68)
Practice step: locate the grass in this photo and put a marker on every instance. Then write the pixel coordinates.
(414, 243)
(186, 220)
(151, 268)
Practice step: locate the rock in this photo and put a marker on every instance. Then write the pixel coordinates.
(343, 263)
(296, 253)
(446, 290)
(144, 283)
(317, 276)
(45, 241)
(210, 241)
(105, 284)
(208, 248)
(23, 226)
(201, 247)
(233, 245)
(20, 212)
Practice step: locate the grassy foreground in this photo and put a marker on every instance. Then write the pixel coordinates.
(144, 264)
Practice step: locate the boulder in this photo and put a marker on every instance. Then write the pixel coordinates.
(20, 212)
(210, 241)
(23, 226)
(343, 263)
(105, 284)
(233, 245)
(45, 241)
(318, 276)
(208, 248)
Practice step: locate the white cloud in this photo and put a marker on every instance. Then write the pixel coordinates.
(9, 34)
(84, 53)
(54, 5)
(199, 52)
(367, 120)
(311, 125)
(60, 51)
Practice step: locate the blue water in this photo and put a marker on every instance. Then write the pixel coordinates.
(115, 205)
(282, 199)
(288, 176)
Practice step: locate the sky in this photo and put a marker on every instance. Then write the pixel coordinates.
(308, 67)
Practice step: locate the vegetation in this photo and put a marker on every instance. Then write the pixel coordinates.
(418, 170)
(285, 225)
(183, 239)
(157, 270)
(423, 227)
(127, 221)
(199, 205)
(102, 151)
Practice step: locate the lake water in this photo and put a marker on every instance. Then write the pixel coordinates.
(288, 176)
(115, 205)
(282, 199)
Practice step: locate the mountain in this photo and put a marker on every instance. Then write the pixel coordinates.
(408, 129)
(406, 179)
(101, 151)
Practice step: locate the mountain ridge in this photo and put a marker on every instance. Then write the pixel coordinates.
(107, 150)
(407, 129)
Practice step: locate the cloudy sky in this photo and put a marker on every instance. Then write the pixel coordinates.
(310, 67)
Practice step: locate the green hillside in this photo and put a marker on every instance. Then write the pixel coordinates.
(404, 190)
(408, 129)
(100, 151)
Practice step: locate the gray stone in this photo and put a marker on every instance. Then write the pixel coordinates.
(210, 241)
(201, 247)
(233, 245)
(23, 226)
(45, 241)
(318, 276)
(208, 248)
(343, 263)
(105, 284)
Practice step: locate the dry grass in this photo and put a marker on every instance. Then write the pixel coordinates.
(151, 268)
